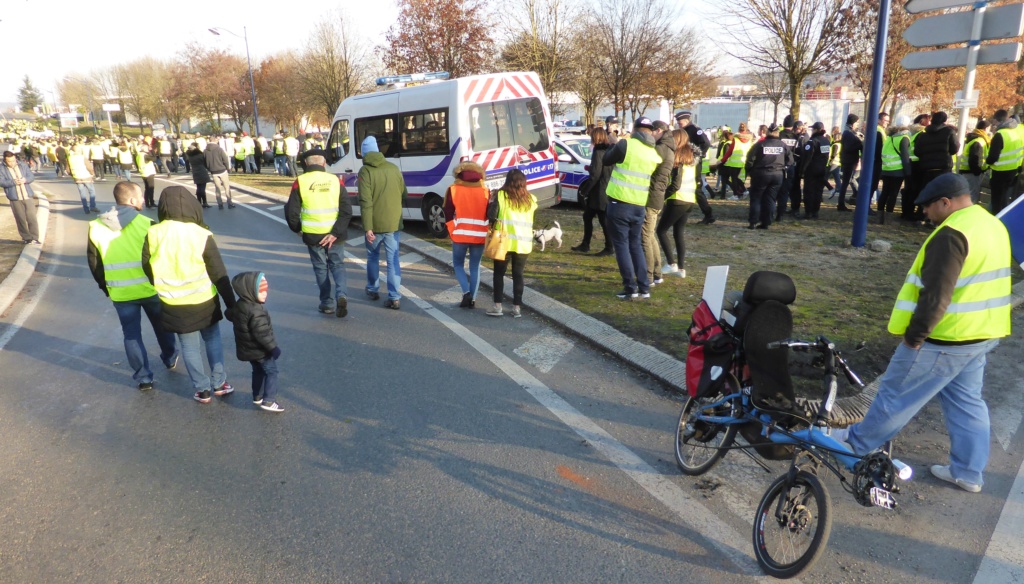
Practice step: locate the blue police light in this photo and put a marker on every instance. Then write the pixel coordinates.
(413, 78)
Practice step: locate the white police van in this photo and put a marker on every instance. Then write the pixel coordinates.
(501, 121)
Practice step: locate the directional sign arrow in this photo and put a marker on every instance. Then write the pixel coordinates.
(987, 55)
(1002, 22)
(918, 6)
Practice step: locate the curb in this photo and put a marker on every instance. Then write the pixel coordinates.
(15, 281)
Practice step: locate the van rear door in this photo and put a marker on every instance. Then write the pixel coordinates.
(511, 134)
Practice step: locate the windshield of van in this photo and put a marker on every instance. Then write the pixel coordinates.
(502, 124)
(339, 137)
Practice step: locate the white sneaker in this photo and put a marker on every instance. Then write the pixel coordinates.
(942, 472)
(682, 273)
(495, 311)
(669, 269)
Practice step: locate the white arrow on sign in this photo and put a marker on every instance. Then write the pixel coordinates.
(918, 6)
(987, 55)
(1002, 22)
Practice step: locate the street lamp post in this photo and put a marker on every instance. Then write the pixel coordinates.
(252, 85)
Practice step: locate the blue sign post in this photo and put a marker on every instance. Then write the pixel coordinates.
(867, 166)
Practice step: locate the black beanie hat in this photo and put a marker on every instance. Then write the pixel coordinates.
(939, 118)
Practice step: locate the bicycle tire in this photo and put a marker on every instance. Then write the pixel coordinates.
(808, 518)
(695, 449)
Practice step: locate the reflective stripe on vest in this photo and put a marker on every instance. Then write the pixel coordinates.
(470, 223)
(1013, 146)
(687, 186)
(980, 306)
(319, 192)
(913, 157)
(518, 224)
(964, 162)
(738, 158)
(631, 179)
(176, 258)
(121, 252)
(891, 159)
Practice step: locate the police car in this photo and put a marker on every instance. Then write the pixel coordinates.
(573, 164)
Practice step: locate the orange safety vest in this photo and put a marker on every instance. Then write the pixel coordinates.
(470, 223)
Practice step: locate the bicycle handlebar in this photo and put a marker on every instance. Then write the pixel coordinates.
(824, 347)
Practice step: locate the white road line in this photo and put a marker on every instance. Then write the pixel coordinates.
(1004, 557)
(275, 208)
(40, 292)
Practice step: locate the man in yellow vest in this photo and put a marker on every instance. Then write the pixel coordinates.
(971, 164)
(318, 208)
(1002, 158)
(115, 260)
(635, 160)
(280, 158)
(291, 151)
(182, 262)
(146, 163)
(81, 170)
(952, 309)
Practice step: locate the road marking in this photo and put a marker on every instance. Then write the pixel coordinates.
(1006, 414)
(275, 208)
(1003, 561)
(545, 349)
(40, 292)
(449, 298)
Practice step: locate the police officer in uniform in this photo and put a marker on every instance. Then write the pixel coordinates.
(699, 139)
(611, 125)
(813, 169)
(794, 193)
(766, 166)
(789, 138)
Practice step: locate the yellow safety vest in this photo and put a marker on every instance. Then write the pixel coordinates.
(738, 159)
(319, 192)
(1020, 141)
(913, 157)
(891, 159)
(518, 224)
(96, 152)
(980, 307)
(146, 168)
(121, 252)
(631, 179)
(76, 164)
(1013, 146)
(964, 163)
(688, 185)
(124, 156)
(165, 148)
(176, 258)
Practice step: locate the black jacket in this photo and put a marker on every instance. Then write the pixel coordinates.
(698, 138)
(976, 152)
(666, 147)
(769, 155)
(851, 147)
(814, 156)
(254, 335)
(594, 192)
(177, 204)
(936, 147)
(789, 139)
(293, 213)
(197, 162)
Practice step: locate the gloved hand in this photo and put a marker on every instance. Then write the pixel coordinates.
(276, 353)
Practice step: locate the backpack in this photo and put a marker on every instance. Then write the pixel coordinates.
(711, 353)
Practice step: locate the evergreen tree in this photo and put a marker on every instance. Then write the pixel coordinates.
(28, 96)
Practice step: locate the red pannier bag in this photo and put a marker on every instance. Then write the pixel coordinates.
(710, 355)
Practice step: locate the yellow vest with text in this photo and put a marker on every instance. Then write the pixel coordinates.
(738, 159)
(687, 186)
(176, 258)
(891, 159)
(319, 192)
(1013, 146)
(517, 224)
(631, 179)
(980, 306)
(121, 252)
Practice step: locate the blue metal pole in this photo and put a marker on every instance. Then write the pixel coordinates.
(871, 145)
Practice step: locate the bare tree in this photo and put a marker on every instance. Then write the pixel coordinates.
(176, 94)
(586, 74)
(334, 65)
(439, 35)
(857, 54)
(775, 86)
(798, 37)
(214, 74)
(537, 41)
(681, 73)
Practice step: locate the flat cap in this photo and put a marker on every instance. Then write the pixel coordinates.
(947, 185)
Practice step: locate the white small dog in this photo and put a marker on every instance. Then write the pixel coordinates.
(542, 236)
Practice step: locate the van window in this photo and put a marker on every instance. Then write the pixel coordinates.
(424, 132)
(339, 137)
(502, 124)
(383, 128)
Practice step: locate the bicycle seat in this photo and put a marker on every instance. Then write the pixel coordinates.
(760, 287)
(765, 317)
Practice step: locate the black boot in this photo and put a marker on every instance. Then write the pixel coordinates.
(582, 248)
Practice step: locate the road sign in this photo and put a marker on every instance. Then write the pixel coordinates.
(919, 6)
(1002, 22)
(987, 55)
(965, 103)
(111, 107)
(69, 120)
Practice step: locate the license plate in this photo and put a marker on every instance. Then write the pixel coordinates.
(494, 184)
(882, 498)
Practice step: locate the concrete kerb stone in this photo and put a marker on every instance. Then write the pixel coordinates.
(658, 364)
(23, 269)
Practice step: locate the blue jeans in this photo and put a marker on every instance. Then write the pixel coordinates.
(281, 164)
(264, 380)
(129, 312)
(390, 241)
(475, 251)
(625, 222)
(87, 191)
(190, 351)
(327, 264)
(250, 164)
(955, 374)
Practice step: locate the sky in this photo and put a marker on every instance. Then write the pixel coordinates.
(51, 39)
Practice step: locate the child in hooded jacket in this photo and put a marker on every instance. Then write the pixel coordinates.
(254, 337)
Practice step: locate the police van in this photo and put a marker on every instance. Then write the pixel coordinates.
(501, 121)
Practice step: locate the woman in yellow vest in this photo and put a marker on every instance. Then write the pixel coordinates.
(680, 198)
(734, 160)
(465, 210)
(512, 209)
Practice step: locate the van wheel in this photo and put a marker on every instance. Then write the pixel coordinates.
(433, 214)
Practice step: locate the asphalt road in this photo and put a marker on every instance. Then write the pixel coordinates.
(431, 444)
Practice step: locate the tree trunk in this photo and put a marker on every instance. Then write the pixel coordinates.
(794, 98)
(775, 114)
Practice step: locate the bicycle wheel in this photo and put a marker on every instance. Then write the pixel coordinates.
(700, 444)
(792, 525)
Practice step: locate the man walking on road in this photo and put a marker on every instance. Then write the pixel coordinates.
(115, 260)
(318, 208)
(15, 178)
(382, 195)
(218, 163)
(952, 310)
(182, 261)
